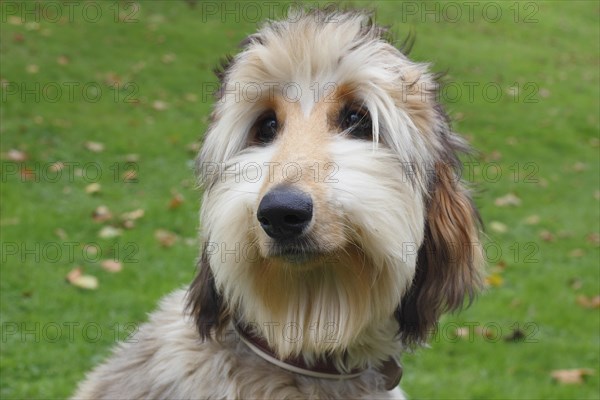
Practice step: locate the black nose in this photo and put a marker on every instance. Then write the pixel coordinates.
(285, 212)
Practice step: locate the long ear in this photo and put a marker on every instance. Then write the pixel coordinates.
(204, 302)
(450, 258)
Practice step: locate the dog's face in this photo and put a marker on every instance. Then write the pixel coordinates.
(331, 202)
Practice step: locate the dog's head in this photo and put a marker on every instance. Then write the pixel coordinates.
(332, 201)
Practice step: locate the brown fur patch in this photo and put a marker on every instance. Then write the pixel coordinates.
(449, 261)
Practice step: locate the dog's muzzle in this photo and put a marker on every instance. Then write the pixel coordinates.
(285, 213)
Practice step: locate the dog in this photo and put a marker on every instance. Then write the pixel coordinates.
(335, 227)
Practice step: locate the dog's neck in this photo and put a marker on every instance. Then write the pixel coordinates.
(321, 367)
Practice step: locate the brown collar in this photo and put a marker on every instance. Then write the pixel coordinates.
(323, 369)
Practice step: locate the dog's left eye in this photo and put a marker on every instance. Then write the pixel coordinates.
(357, 122)
(266, 129)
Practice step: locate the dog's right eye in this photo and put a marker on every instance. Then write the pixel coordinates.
(266, 129)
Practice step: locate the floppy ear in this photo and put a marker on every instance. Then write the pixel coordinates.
(450, 258)
(204, 302)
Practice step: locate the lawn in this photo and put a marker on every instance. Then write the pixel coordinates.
(104, 104)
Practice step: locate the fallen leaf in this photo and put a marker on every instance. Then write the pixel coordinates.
(132, 158)
(56, 166)
(532, 220)
(168, 58)
(588, 302)
(76, 278)
(576, 253)
(462, 332)
(17, 155)
(130, 176)
(176, 201)
(109, 232)
(516, 335)
(494, 280)
(597, 194)
(165, 238)
(593, 238)
(547, 236)
(507, 200)
(191, 97)
(576, 283)
(62, 60)
(27, 174)
(133, 215)
(111, 265)
(486, 332)
(102, 214)
(579, 167)
(571, 376)
(159, 105)
(93, 188)
(498, 227)
(62, 235)
(15, 20)
(95, 147)
(32, 69)
(90, 250)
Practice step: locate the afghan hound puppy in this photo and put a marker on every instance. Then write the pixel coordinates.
(335, 227)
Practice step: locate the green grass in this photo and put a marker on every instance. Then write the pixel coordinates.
(555, 139)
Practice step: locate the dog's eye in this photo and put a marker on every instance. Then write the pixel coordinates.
(357, 122)
(266, 129)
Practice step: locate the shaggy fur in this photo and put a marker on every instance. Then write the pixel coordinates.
(392, 243)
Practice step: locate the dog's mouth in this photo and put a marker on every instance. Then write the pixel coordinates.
(299, 252)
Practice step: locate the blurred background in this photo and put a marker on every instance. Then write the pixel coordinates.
(104, 104)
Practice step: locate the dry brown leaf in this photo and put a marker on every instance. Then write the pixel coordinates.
(576, 253)
(571, 376)
(90, 250)
(133, 215)
(94, 147)
(93, 188)
(109, 232)
(462, 332)
(597, 194)
(102, 214)
(532, 220)
(76, 278)
(62, 60)
(487, 333)
(165, 238)
(32, 69)
(593, 238)
(159, 105)
(576, 283)
(16, 155)
(579, 167)
(191, 97)
(111, 265)
(129, 176)
(60, 232)
(498, 227)
(132, 158)
(57, 166)
(168, 58)
(176, 201)
(27, 174)
(588, 302)
(547, 236)
(507, 200)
